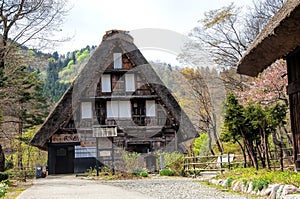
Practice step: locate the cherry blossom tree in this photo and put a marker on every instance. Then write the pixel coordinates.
(268, 88)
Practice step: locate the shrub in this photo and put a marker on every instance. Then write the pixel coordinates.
(173, 160)
(166, 172)
(9, 164)
(259, 184)
(131, 163)
(196, 172)
(136, 171)
(144, 173)
(3, 189)
(229, 182)
(3, 176)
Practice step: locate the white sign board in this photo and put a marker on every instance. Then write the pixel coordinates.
(105, 153)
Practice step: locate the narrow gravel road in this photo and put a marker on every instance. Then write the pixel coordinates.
(70, 187)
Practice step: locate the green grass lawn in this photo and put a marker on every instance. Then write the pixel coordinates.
(250, 174)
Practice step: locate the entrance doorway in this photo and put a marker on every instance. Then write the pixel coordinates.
(64, 162)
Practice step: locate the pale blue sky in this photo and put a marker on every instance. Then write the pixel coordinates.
(89, 19)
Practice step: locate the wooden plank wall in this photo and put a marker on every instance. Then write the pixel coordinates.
(293, 89)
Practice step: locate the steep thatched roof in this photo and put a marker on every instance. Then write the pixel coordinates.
(280, 37)
(84, 86)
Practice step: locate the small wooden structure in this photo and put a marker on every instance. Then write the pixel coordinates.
(280, 39)
(116, 103)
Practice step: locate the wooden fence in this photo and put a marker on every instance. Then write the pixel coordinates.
(196, 165)
(218, 163)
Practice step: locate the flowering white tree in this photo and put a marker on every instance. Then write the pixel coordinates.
(268, 88)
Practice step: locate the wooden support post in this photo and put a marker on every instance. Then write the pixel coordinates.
(228, 156)
(176, 141)
(97, 156)
(113, 156)
(221, 157)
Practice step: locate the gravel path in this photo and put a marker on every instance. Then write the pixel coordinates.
(173, 188)
(70, 187)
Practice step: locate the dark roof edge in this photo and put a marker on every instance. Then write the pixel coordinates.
(273, 41)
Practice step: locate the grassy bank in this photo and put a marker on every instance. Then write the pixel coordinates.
(250, 174)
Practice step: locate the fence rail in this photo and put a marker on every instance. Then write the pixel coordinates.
(197, 164)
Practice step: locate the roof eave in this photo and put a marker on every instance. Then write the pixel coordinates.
(276, 40)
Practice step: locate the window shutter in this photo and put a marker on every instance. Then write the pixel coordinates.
(150, 108)
(129, 82)
(112, 109)
(124, 109)
(86, 110)
(106, 83)
(117, 60)
(116, 109)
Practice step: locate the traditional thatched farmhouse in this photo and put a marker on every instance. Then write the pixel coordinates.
(117, 102)
(280, 39)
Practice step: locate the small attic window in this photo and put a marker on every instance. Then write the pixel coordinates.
(117, 60)
(86, 110)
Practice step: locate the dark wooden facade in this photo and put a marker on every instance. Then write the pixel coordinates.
(293, 89)
(117, 103)
(280, 39)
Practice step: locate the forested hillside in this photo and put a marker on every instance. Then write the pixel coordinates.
(61, 71)
(32, 82)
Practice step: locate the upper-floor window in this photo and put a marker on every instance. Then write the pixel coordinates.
(129, 82)
(117, 60)
(150, 108)
(118, 109)
(86, 110)
(106, 83)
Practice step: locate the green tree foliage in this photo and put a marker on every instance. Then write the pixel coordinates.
(200, 145)
(53, 89)
(21, 22)
(62, 70)
(74, 66)
(30, 155)
(21, 98)
(250, 126)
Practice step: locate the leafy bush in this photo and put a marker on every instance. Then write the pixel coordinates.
(91, 171)
(22, 175)
(229, 182)
(136, 171)
(259, 184)
(195, 172)
(144, 173)
(173, 160)
(9, 164)
(200, 145)
(3, 176)
(166, 172)
(3, 189)
(131, 163)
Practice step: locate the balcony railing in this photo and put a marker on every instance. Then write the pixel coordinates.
(105, 131)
